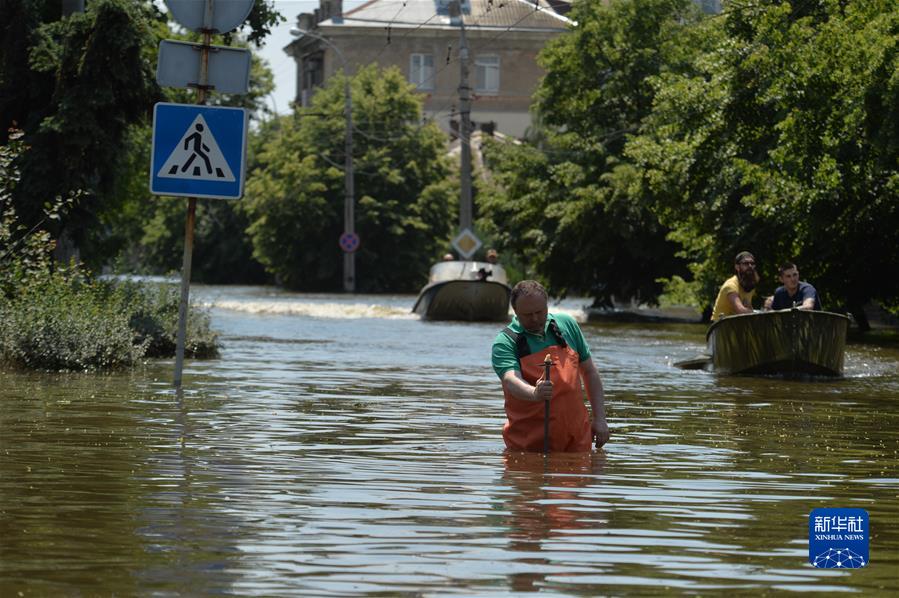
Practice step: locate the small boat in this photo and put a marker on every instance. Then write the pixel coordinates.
(788, 342)
(465, 290)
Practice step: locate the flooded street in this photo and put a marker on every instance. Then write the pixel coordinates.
(341, 446)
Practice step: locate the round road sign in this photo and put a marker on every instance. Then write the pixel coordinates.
(226, 14)
(349, 242)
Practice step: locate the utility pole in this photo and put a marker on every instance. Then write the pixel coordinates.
(465, 215)
(349, 218)
(349, 194)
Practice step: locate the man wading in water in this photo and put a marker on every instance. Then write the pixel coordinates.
(518, 359)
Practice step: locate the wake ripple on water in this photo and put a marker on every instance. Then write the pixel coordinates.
(316, 310)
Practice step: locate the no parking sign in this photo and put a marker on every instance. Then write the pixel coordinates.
(349, 242)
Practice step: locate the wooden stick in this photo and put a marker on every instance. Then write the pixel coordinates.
(547, 363)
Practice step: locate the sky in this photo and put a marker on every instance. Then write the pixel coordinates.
(283, 66)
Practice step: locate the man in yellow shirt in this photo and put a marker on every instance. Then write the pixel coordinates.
(735, 296)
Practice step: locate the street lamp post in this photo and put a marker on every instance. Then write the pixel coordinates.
(349, 218)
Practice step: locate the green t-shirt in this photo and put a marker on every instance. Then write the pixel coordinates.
(504, 358)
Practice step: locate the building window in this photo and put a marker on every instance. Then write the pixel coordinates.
(486, 74)
(421, 70)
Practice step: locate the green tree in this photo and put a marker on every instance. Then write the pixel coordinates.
(84, 79)
(76, 86)
(566, 200)
(784, 142)
(404, 203)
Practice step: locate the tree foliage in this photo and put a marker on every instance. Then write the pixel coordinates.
(772, 127)
(81, 82)
(78, 86)
(403, 203)
(783, 141)
(565, 198)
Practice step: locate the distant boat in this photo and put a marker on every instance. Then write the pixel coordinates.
(787, 342)
(465, 290)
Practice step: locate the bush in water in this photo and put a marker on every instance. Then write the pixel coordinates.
(60, 324)
(56, 325)
(153, 316)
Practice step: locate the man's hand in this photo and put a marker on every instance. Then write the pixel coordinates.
(600, 431)
(543, 391)
(769, 301)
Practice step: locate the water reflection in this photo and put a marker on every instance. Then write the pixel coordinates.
(543, 504)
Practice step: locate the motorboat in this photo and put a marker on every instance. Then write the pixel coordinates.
(465, 290)
(791, 342)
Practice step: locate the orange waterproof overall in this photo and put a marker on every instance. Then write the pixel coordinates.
(569, 422)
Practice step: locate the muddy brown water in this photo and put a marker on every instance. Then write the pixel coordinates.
(341, 446)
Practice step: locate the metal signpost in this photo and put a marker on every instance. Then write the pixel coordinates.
(199, 151)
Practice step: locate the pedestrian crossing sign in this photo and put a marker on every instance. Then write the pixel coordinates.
(198, 151)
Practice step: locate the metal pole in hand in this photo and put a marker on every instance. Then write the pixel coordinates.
(547, 363)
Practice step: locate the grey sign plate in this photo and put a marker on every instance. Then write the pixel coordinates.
(179, 66)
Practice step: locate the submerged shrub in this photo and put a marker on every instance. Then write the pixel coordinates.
(56, 324)
(60, 323)
(153, 316)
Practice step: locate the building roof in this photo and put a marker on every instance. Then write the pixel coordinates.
(533, 15)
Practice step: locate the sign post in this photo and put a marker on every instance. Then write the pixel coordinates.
(198, 164)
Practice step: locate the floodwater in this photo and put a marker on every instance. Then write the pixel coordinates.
(341, 446)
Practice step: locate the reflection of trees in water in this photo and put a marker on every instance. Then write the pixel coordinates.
(67, 448)
(544, 492)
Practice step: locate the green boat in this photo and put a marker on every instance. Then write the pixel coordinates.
(791, 342)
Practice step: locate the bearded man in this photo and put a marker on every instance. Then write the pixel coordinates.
(735, 296)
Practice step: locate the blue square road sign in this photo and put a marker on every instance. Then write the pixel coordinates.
(198, 151)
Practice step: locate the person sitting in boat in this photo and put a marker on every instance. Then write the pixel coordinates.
(518, 359)
(794, 292)
(449, 257)
(735, 296)
(492, 256)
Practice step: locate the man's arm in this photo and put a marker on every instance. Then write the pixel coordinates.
(809, 294)
(593, 386)
(734, 299)
(520, 389)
